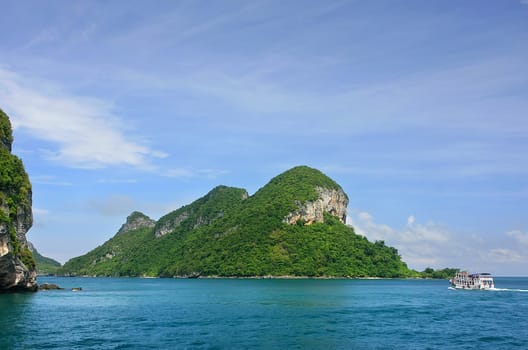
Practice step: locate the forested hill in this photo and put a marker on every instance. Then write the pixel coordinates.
(293, 226)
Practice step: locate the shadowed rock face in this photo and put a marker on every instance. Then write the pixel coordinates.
(17, 267)
(331, 201)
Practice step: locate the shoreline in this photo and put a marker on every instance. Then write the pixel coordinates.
(282, 277)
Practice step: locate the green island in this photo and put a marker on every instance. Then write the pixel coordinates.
(293, 226)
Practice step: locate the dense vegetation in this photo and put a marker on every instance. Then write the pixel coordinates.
(226, 234)
(6, 135)
(439, 274)
(15, 192)
(45, 266)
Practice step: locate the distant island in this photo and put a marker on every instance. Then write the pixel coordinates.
(293, 226)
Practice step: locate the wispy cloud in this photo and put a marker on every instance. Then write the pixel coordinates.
(117, 181)
(434, 245)
(507, 256)
(520, 236)
(420, 245)
(84, 131)
(49, 180)
(451, 98)
(187, 173)
(115, 205)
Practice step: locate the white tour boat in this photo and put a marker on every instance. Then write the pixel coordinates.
(464, 280)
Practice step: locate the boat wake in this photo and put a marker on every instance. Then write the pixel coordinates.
(509, 290)
(497, 289)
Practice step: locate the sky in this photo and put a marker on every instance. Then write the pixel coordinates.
(418, 109)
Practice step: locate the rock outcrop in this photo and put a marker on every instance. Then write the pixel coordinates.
(170, 225)
(135, 221)
(49, 286)
(331, 201)
(17, 266)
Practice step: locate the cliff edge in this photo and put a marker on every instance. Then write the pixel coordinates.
(17, 266)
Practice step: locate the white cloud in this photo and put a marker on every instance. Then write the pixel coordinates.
(190, 173)
(117, 181)
(178, 172)
(85, 131)
(433, 245)
(519, 236)
(426, 233)
(420, 245)
(116, 205)
(364, 225)
(507, 255)
(49, 180)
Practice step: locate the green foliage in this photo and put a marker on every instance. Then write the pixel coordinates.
(15, 191)
(14, 182)
(27, 258)
(224, 234)
(120, 256)
(439, 274)
(6, 134)
(15, 243)
(44, 265)
(204, 210)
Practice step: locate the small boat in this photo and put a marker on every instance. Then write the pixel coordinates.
(465, 280)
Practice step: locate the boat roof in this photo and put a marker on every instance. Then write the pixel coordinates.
(480, 274)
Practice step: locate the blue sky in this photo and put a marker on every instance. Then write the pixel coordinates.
(417, 108)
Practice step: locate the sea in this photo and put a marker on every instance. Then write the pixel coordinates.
(136, 313)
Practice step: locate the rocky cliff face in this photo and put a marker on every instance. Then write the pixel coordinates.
(17, 266)
(135, 221)
(331, 201)
(170, 225)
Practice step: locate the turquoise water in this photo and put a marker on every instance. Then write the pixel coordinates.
(131, 313)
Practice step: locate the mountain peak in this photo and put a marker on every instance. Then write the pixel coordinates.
(318, 194)
(201, 212)
(304, 177)
(135, 221)
(304, 194)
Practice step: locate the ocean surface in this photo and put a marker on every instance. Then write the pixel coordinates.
(133, 313)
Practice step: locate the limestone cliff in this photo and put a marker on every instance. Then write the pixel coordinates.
(135, 221)
(331, 201)
(17, 266)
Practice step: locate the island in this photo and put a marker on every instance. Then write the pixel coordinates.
(294, 226)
